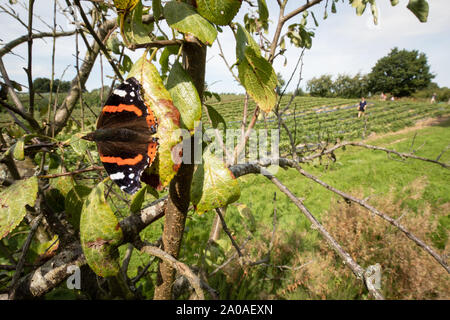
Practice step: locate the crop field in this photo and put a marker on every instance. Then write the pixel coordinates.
(312, 120)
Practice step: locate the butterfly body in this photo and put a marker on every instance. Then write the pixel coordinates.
(125, 136)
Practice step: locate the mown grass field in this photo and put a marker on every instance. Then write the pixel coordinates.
(301, 264)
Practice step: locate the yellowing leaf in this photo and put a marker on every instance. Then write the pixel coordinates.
(259, 79)
(125, 5)
(13, 201)
(18, 153)
(100, 234)
(213, 184)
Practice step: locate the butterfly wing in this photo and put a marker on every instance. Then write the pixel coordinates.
(125, 158)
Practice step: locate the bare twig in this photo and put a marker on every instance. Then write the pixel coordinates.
(19, 106)
(71, 173)
(227, 231)
(14, 43)
(97, 39)
(21, 262)
(30, 57)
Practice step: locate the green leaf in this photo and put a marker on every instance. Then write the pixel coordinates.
(13, 201)
(126, 64)
(419, 8)
(79, 145)
(16, 85)
(160, 102)
(259, 79)
(244, 40)
(220, 12)
(213, 184)
(134, 30)
(185, 96)
(394, 2)
(100, 234)
(216, 117)
(263, 11)
(40, 251)
(18, 153)
(157, 9)
(113, 43)
(73, 204)
(333, 8)
(185, 19)
(164, 58)
(64, 183)
(138, 200)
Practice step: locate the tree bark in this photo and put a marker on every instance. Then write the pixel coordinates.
(194, 60)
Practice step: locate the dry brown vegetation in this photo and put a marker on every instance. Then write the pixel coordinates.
(408, 272)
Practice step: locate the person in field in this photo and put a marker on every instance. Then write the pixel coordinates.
(362, 107)
(433, 98)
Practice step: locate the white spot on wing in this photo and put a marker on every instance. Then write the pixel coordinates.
(117, 176)
(121, 93)
(131, 175)
(132, 93)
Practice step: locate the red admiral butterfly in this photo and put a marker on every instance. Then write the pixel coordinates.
(124, 136)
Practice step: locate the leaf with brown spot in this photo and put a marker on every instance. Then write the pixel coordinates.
(99, 234)
(160, 102)
(13, 201)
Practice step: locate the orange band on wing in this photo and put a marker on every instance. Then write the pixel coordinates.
(123, 107)
(119, 161)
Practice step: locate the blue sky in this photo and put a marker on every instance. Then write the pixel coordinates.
(343, 43)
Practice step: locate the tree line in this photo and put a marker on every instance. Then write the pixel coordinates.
(401, 73)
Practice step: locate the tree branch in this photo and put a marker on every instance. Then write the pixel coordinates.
(98, 40)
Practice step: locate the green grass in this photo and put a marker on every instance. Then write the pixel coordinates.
(357, 171)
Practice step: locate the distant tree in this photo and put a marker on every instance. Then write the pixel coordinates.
(401, 72)
(320, 87)
(64, 86)
(346, 86)
(299, 92)
(43, 85)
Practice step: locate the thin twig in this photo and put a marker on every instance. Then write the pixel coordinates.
(99, 42)
(227, 231)
(21, 262)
